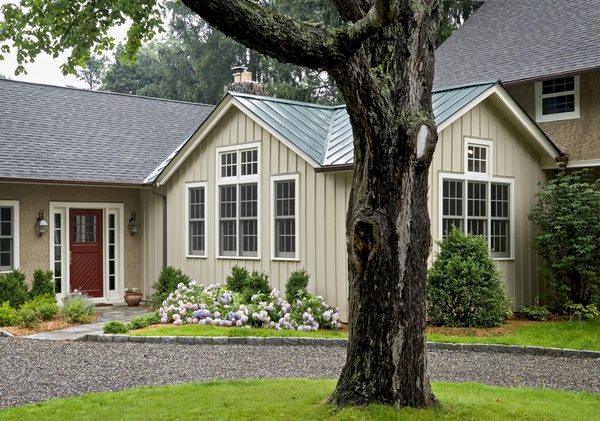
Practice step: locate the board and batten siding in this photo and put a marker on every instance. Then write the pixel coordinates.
(323, 198)
(151, 232)
(513, 157)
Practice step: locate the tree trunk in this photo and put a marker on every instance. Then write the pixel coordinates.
(382, 61)
(387, 87)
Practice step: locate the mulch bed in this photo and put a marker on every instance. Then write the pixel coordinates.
(41, 327)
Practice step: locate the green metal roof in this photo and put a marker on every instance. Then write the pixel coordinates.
(324, 132)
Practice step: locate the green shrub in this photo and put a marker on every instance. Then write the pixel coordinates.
(237, 281)
(296, 283)
(44, 306)
(535, 312)
(141, 322)
(13, 288)
(28, 317)
(8, 315)
(43, 283)
(167, 282)
(78, 308)
(115, 327)
(247, 284)
(566, 216)
(464, 285)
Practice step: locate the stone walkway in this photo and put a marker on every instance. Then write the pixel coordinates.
(106, 313)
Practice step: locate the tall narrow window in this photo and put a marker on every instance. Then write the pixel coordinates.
(452, 203)
(196, 215)
(112, 251)
(557, 99)
(58, 257)
(284, 217)
(477, 208)
(500, 219)
(9, 251)
(239, 201)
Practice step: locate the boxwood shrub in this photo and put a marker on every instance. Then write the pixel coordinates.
(464, 286)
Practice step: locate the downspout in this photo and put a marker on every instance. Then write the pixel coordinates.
(164, 222)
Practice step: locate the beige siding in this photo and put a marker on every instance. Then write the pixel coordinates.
(324, 196)
(34, 250)
(323, 199)
(151, 233)
(579, 137)
(513, 158)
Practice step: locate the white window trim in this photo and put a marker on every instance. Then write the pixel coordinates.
(118, 209)
(490, 158)
(16, 237)
(223, 181)
(558, 116)
(296, 179)
(489, 179)
(187, 188)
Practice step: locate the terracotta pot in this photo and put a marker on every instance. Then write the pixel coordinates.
(133, 298)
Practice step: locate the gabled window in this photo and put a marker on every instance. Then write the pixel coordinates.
(285, 208)
(9, 235)
(196, 219)
(238, 200)
(476, 202)
(557, 99)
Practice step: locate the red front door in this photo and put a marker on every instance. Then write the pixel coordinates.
(85, 241)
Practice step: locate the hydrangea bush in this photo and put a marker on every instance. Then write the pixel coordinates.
(218, 306)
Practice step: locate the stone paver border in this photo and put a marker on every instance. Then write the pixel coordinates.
(253, 340)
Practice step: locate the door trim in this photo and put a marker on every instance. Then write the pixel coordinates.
(118, 210)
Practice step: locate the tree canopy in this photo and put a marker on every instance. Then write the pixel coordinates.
(381, 57)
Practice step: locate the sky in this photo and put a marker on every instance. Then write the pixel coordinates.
(45, 69)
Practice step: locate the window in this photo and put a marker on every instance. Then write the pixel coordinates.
(284, 199)
(238, 201)
(196, 219)
(476, 203)
(58, 261)
(557, 99)
(9, 235)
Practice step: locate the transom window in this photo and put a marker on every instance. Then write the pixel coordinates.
(477, 203)
(239, 204)
(196, 219)
(557, 99)
(284, 198)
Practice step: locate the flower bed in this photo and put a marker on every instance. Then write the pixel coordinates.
(215, 305)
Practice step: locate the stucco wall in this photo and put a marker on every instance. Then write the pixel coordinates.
(34, 250)
(579, 137)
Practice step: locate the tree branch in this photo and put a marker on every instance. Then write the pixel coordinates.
(288, 40)
(352, 10)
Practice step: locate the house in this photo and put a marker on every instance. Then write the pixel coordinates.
(76, 160)
(547, 55)
(256, 181)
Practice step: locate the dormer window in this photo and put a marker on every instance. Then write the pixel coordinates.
(557, 99)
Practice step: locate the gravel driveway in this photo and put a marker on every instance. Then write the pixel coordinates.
(35, 370)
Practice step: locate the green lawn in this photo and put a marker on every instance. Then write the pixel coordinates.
(200, 330)
(564, 334)
(302, 399)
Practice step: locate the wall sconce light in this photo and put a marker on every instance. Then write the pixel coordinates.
(41, 224)
(133, 224)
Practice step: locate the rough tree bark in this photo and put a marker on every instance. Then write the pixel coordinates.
(382, 61)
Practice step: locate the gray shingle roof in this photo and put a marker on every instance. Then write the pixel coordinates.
(514, 40)
(72, 135)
